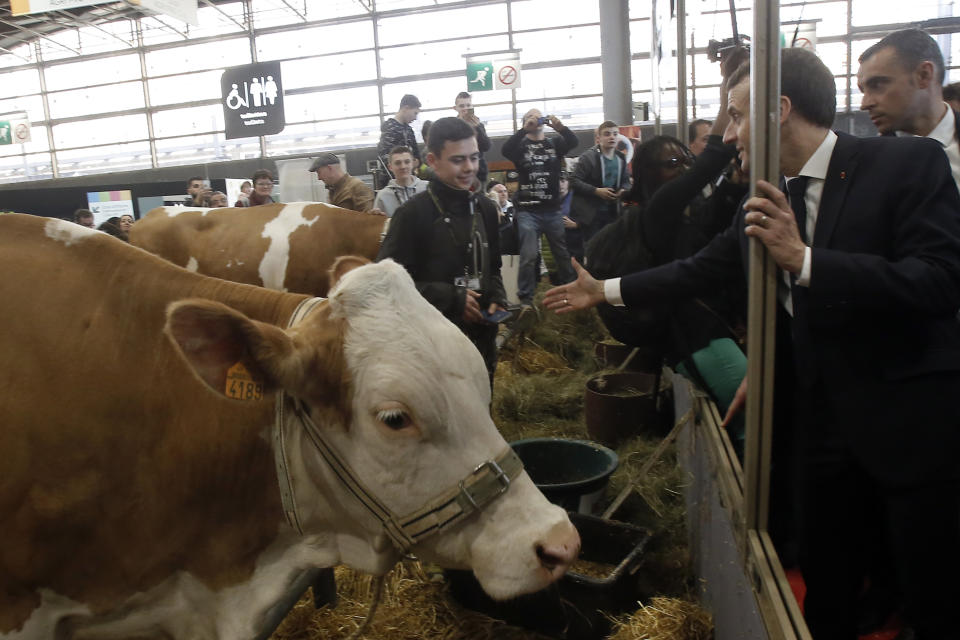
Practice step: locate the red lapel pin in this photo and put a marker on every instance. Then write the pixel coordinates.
(843, 175)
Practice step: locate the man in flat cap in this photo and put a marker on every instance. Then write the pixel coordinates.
(344, 190)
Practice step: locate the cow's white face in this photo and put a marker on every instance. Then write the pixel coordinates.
(411, 395)
(421, 423)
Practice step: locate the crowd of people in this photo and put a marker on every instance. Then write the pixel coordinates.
(866, 235)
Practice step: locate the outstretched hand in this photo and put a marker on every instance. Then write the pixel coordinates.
(737, 404)
(583, 293)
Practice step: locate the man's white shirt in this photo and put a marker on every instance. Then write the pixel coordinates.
(945, 133)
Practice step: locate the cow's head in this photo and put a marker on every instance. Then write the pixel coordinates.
(403, 397)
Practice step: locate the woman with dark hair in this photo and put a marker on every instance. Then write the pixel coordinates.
(679, 207)
(655, 163)
(112, 227)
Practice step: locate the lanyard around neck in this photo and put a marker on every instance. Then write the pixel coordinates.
(471, 246)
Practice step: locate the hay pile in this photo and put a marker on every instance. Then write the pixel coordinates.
(538, 391)
(414, 607)
(665, 619)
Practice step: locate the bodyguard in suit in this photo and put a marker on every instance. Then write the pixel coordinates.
(901, 78)
(869, 247)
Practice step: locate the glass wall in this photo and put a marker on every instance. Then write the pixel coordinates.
(141, 93)
(844, 28)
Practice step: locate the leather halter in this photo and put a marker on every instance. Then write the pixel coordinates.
(489, 480)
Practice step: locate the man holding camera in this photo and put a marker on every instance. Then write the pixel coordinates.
(539, 161)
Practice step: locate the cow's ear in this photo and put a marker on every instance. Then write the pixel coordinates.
(343, 265)
(235, 356)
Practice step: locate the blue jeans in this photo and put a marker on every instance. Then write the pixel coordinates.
(531, 224)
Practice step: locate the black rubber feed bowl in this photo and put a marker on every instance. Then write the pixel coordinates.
(570, 473)
(576, 607)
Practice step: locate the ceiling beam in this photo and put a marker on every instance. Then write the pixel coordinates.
(298, 14)
(14, 53)
(225, 14)
(38, 35)
(80, 22)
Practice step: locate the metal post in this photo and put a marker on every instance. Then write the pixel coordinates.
(780, 611)
(54, 165)
(513, 92)
(655, 48)
(252, 36)
(615, 60)
(848, 40)
(154, 158)
(376, 57)
(945, 40)
(761, 321)
(693, 77)
(682, 71)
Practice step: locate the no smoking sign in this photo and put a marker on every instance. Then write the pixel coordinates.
(507, 75)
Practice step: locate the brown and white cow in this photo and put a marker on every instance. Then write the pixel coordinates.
(138, 500)
(288, 247)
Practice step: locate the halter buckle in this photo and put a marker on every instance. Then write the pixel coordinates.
(498, 474)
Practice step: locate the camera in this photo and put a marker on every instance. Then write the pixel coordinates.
(543, 120)
(716, 49)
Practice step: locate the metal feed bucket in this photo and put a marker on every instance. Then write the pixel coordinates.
(620, 405)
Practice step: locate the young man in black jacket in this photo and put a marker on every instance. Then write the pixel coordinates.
(397, 132)
(447, 238)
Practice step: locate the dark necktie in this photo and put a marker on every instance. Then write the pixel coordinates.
(797, 187)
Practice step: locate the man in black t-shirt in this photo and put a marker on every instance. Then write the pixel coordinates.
(539, 161)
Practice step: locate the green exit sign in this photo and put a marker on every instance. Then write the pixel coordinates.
(480, 76)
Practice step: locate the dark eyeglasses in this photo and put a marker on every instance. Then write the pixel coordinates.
(676, 161)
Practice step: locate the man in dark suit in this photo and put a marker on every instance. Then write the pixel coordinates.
(871, 284)
(901, 78)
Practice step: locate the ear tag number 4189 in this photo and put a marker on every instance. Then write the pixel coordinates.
(241, 385)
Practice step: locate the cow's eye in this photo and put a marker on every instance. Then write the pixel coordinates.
(395, 419)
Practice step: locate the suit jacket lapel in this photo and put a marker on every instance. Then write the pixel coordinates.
(843, 164)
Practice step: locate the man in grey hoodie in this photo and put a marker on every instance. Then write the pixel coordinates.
(402, 186)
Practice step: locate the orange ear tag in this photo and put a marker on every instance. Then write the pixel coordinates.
(241, 385)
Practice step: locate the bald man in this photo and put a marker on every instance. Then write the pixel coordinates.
(539, 161)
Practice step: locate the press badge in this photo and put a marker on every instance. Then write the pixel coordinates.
(470, 283)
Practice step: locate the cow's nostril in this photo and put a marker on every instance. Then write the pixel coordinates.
(558, 549)
(548, 560)
(553, 556)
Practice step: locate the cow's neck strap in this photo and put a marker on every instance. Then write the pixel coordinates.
(287, 497)
(481, 486)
